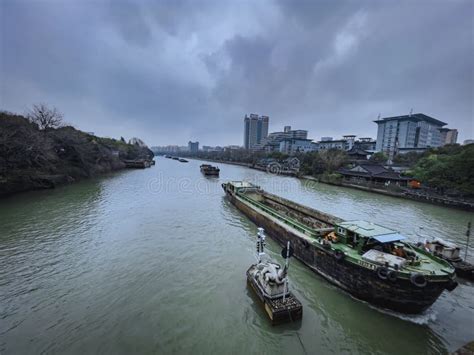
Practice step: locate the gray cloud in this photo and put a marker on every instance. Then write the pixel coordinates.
(170, 71)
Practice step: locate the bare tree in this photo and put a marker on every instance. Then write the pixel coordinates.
(45, 117)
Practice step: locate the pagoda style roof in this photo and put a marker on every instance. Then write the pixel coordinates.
(372, 171)
(358, 151)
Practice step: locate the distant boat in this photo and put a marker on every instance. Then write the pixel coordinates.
(182, 160)
(175, 158)
(209, 170)
(450, 252)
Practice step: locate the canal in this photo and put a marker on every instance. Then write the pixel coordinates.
(154, 261)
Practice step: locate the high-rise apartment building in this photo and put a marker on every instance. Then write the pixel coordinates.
(409, 132)
(272, 142)
(193, 147)
(255, 129)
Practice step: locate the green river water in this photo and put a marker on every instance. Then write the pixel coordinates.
(153, 262)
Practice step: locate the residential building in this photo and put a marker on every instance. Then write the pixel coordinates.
(347, 143)
(366, 143)
(331, 144)
(193, 147)
(350, 140)
(295, 145)
(255, 129)
(232, 147)
(448, 136)
(272, 142)
(407, 132)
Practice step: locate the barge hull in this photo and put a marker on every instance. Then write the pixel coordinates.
(402, 296)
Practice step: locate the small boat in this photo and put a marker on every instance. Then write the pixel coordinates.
(168, 156)
(371, 262)
(182, 160)
(451, 253)
(269, 281)
(209, 170)
(175, 158)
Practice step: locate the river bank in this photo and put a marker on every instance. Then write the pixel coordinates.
(34, 159)
(410, 195)
(451, 203)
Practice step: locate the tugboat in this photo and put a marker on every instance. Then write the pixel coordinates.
(209, 170)
(451, 253)
(371, 262)
(269, 281)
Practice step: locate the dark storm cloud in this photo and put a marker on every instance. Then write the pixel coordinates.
(170, 71)
(130, 22)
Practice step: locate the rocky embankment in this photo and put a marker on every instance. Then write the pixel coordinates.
(32, 159)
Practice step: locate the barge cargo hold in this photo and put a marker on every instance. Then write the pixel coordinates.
(369, 261)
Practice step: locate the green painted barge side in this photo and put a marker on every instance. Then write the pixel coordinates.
(330, 247)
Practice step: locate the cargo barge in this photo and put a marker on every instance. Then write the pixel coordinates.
(209, 170)
(371, 262)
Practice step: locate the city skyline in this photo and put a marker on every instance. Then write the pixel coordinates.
(430, 133)
(145, 70)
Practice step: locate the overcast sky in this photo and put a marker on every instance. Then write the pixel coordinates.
(173, 71)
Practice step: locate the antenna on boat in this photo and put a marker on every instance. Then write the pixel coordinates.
(286, 253)
(420, 228)
(468, 235)
(260, 244)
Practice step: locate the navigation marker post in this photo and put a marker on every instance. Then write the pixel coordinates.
(468, 235)
(286, 253)
(260, 244)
